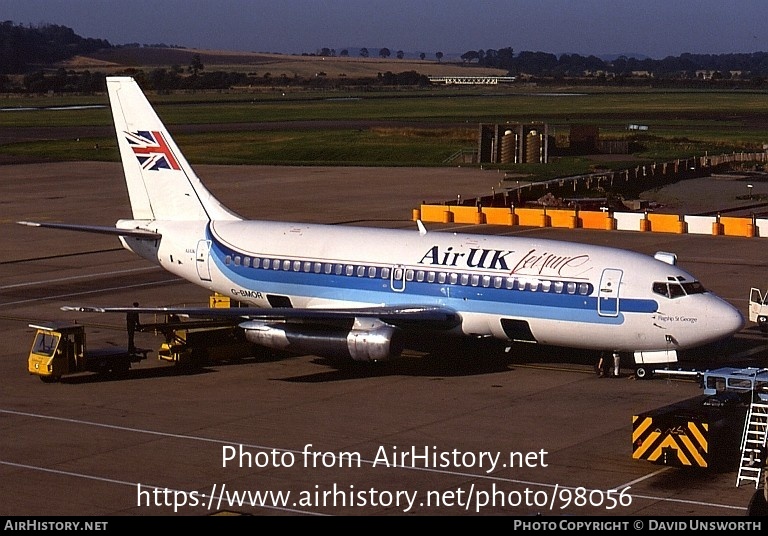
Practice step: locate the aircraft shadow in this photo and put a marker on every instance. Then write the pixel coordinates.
(448, 358)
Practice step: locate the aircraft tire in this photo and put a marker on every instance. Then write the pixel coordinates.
(643, 373)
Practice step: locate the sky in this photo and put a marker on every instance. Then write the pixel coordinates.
(654, 28)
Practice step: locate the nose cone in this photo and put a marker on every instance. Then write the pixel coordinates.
(720, 321)
(732, 319)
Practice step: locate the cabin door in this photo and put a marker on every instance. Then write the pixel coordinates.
(202, 257)
(608, 294)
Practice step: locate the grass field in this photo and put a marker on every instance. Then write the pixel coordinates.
(414, 128)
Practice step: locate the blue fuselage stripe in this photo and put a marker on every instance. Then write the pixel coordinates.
(477, 299)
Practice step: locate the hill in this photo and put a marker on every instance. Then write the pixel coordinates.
(258, 64)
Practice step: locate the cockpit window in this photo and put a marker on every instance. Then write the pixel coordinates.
(694, 288)
(675, 288)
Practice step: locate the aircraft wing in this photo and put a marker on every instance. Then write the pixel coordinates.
(136, 233)
(434, 317)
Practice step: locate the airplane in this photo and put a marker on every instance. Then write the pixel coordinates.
(355, 293)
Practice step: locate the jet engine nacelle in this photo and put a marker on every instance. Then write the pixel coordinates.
(368, 340)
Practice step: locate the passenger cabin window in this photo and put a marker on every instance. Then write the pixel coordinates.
(672, 288)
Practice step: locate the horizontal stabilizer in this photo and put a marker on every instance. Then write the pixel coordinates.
(135, 233)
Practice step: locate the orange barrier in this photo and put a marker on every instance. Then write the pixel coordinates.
(541, 217)
(498, 215)
(596, 220)
(563, 218)
(529, 216)
(665, 223)
(463, 214)
(737, 226)
(437, 213)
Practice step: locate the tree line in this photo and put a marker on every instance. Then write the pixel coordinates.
(754, 64)
(27, 52)
(23, 48)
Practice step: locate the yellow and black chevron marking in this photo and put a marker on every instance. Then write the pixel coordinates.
(655, 442)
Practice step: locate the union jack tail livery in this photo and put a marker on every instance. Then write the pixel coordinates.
(151, 150)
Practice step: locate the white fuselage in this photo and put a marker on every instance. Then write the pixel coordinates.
(536, 290)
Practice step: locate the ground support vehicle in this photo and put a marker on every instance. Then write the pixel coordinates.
(59, 349)
(715, 429)
(758, 308)
(646, 363)
(195, 342)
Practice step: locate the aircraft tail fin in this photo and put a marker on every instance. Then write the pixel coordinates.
(161, 183)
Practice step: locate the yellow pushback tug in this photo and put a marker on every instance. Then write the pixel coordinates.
(59, 349)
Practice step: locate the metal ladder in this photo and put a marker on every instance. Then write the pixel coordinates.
(753, 444)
